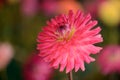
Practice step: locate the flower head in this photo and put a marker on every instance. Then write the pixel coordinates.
(109, 59)
(67, 41)
(37, 69)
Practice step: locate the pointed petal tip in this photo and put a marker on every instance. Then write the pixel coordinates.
(95, 22)
(92, 59)
(79, 11)
(76, 69)
(61, 69)
(100, 48)
(56, 67)
(67, 71)
(89, 15)
(83, 68)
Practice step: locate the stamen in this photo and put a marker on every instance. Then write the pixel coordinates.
(65, 32)
(63, 29)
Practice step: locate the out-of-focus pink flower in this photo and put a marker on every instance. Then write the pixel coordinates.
(36, 69)
(93, 7)
(67, 40)
(29, 7)
(109, 59)
(48, 7)
(6, 54)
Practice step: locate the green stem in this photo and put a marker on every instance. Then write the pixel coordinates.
(70, 76)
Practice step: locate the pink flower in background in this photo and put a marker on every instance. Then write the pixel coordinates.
(48, 7)
(36, 69)
(109, 59)
(6, 54)
(31, 7)
(67, 41)
(93, 7)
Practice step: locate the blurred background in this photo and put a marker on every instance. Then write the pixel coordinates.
(22, 20)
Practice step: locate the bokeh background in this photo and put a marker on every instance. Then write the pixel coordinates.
(22, 20)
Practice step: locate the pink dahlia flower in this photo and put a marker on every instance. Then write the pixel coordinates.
(37, 69)
(109, 59)
(67, 41)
